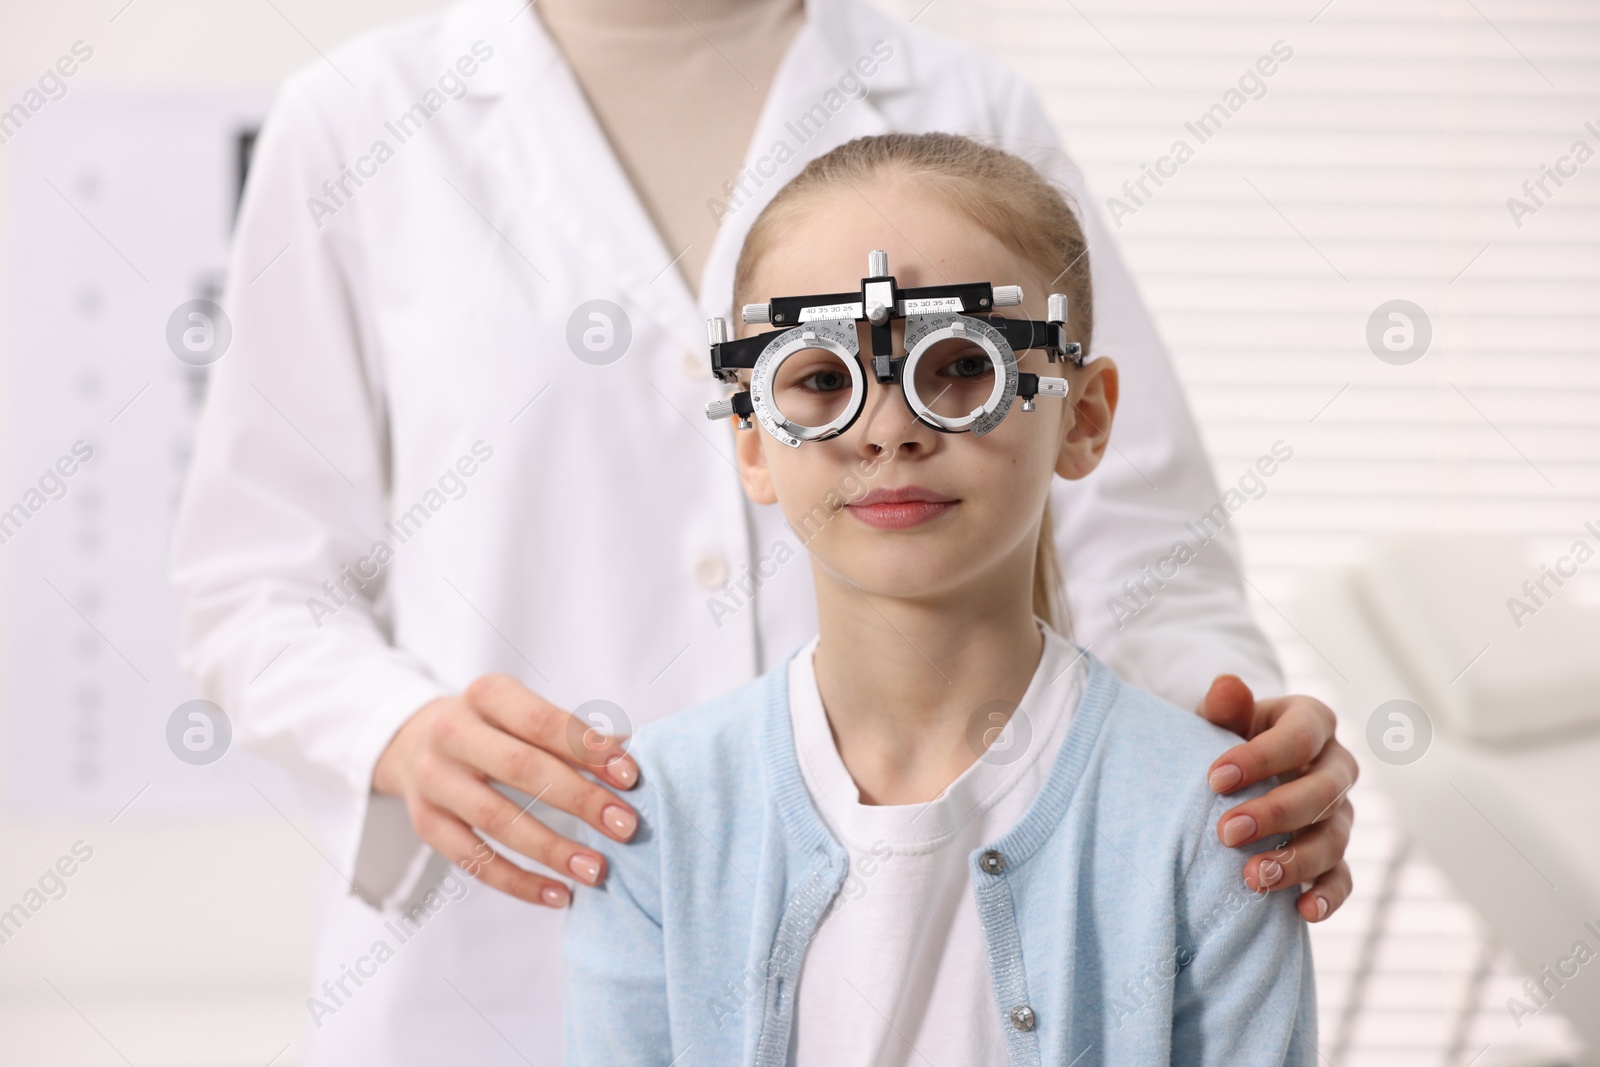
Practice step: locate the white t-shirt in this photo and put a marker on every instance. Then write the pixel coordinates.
(898, 972)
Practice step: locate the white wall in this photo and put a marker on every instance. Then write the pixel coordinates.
(146, 955)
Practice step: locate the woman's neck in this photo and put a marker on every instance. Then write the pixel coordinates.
(622, 14)
(909, 686)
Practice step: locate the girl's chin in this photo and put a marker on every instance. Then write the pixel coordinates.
(897, 575)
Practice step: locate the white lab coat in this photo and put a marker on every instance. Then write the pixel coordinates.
(418, 327)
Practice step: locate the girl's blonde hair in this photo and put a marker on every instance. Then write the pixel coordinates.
(998, 192)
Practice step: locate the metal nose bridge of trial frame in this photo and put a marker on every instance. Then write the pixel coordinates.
(932, 314)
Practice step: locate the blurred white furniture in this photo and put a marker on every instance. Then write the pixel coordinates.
(1506, 797)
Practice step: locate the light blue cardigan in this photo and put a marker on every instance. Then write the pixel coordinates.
(1114, 917)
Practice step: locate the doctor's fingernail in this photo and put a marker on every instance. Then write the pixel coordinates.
(1224, 778)
(622, 770)
(585, 867)
(1237, 829)
(556, 898)
(620, 821)
(1269, 872)
(1322, 908)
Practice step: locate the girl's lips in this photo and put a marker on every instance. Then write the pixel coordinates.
(902, 515)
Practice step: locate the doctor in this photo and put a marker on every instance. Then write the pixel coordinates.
(413, 539)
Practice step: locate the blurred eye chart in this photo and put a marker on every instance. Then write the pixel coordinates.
(121, 212)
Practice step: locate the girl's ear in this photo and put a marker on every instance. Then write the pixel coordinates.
(752, 461)
(1089, 429)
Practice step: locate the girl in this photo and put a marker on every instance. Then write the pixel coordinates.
(939, 833)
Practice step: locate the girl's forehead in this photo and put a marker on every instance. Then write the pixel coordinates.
(818, 256)
(822, 243)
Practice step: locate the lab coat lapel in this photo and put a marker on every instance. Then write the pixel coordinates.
(837, 35)
(543, 150)
(545, 155)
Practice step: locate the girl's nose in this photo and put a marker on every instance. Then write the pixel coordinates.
(888, 425)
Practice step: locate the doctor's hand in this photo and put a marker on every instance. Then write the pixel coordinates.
(442, 761)
(1291, 737)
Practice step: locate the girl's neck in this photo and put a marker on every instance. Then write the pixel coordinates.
(909, 686)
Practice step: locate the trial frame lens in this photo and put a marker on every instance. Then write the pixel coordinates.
(808, 346)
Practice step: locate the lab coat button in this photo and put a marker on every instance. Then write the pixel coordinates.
(992, 862)
(710, 571)
(1022, 1017)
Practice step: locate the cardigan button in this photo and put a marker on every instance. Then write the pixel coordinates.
(992, 862)
(1022, 1017)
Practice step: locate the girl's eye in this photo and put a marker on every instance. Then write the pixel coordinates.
(973, 365)
(825, 381)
